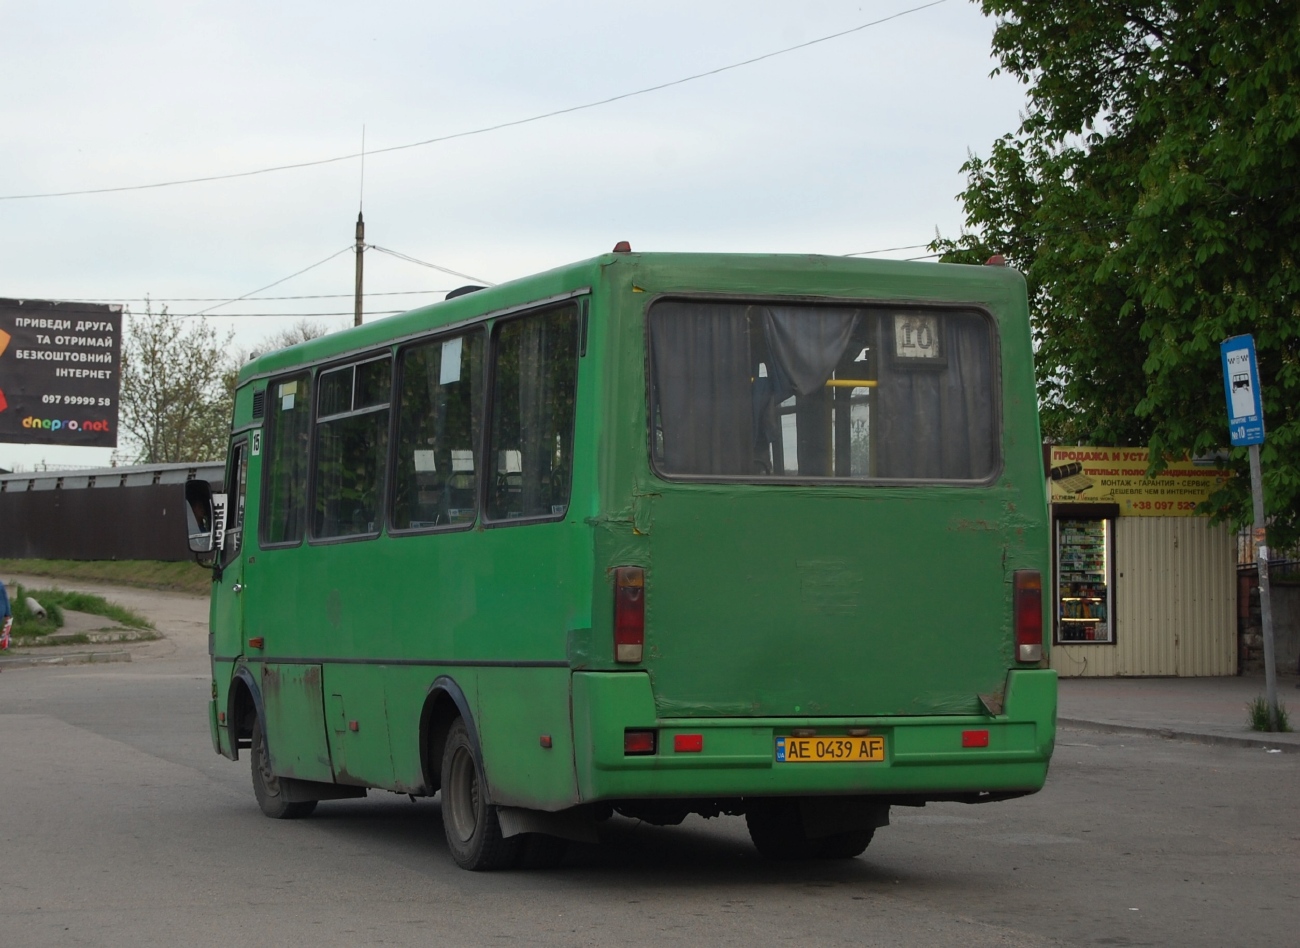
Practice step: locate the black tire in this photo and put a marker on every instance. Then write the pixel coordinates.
(266, 785)
(539, 851)
(848, 845)
(468, 820)
(776, 827)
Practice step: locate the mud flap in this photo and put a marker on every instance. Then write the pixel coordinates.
(305, 791)
(575, 823)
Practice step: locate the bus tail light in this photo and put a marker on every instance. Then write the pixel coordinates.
(638, 743)
(629, 613)
(1029, 615)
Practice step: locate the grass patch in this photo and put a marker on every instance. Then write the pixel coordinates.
(61, 599)
(1258, 710)
(184, 576)
(28, 623)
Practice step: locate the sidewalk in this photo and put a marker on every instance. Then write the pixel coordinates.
(1206, 710)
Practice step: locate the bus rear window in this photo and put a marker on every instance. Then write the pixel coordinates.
(803, 391)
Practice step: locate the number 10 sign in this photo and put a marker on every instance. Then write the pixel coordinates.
(1241, 386)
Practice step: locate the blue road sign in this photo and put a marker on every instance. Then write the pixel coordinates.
(1241, 386)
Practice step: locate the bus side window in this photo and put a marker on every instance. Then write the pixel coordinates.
(237, 478)
(535, 373)
(439, 421)
(351, 448)
(288, 425)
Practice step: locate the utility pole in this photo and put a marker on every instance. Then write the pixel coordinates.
(361, 248)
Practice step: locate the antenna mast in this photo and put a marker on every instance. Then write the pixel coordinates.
(361, 231)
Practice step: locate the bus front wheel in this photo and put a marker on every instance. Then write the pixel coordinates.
(267, 787)
(469, 821)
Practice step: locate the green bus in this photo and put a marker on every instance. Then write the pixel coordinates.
(653, 534)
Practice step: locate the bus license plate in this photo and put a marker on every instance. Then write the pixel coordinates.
(822, 750)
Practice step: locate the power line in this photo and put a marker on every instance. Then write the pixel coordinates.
(217, 299)
(484, 130)
(432, 266)
(276, 283)
(378, 312)
(865, 253)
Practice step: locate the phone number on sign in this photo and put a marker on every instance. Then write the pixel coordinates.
(76, 400)
(1164, 505)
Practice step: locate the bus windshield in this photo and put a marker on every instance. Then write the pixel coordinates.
(778, 390)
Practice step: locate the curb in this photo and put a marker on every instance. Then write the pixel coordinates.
(75, 658)
(1171, 735)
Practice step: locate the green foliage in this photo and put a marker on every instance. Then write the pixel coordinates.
(1259, 720)
(27, 622)
(176, 398)
(1150, 198)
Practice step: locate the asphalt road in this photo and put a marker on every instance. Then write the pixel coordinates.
(120, 826)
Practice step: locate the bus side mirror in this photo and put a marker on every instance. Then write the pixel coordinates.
(198, 515)
(201, 516)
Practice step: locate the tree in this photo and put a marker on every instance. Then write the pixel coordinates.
(174, 402)
(1150, 197)
(304, 330)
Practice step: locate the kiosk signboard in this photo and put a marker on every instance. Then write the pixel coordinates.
(1085, 475)
(60, 367)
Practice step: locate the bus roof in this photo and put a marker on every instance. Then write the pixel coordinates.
(717, 272)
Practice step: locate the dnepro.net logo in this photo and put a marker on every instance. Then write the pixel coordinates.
(56, 424)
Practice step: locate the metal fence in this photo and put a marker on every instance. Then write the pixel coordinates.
(114, 513)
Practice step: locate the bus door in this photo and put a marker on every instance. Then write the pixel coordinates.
(227, 608)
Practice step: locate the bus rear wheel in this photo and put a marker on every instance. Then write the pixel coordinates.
(267, 787)
(468, 820)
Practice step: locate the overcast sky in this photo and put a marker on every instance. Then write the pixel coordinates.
(850, 145)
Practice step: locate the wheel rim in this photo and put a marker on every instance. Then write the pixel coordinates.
(462, 795)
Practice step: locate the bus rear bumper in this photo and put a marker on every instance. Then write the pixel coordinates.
(925, 757)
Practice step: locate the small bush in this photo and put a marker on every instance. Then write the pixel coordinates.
(1259, 716)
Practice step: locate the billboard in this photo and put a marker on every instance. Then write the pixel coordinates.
(1082, 475)
(60, 367)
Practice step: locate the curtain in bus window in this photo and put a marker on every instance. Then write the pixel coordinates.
(704, 398)
(535, 383)
(806, 343)
(939, 422)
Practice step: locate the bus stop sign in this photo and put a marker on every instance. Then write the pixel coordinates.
(1241, 386)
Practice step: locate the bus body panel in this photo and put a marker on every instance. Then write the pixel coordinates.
(825, 598)
(525, 731)
(924, 755)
